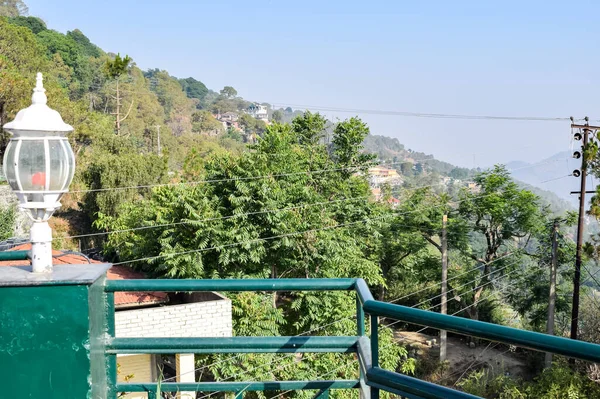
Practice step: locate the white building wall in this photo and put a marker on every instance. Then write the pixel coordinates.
(200, 319)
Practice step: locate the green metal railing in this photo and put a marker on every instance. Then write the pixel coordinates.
(372, 377)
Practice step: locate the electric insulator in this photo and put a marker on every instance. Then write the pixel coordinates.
(576, 155)
(576, 173)
(577, 136)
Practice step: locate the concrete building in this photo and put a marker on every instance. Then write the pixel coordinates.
(379, 175)
(258, 111)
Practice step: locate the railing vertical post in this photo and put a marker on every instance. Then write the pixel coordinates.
(360, 318)
(239, 395)
(360, 331)
(374, 350)
(151, 395)
(111, 359)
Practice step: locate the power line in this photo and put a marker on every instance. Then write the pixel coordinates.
(148, 258)
(238, 215)
(425, 114)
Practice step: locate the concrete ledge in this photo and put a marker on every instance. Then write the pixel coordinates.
(22, 276)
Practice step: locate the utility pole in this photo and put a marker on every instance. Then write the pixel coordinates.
(552, 299)
(583, 174)
(158, 140)
(444, 310)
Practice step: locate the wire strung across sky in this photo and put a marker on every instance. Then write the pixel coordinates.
(253, 213)
(258, 240)
(424, 114)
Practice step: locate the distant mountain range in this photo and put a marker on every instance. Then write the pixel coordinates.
(552, 174)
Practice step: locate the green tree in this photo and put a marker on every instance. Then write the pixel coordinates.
(229, 92)
(117, 67)
(194, 89)
(310, 128)
(87, 47)
(348, 138)
(503, 214)
(13, 8)
(277, 116)
(249, 223)
(204, 122)
(35, 24)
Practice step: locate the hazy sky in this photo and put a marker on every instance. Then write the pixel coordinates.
(519, 58)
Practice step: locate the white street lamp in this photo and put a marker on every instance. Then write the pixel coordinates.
(39, 166)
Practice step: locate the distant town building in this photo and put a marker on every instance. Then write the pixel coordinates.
(228, 117)
(379, 175)
(229, 120)
(473, 187)
(258, 111)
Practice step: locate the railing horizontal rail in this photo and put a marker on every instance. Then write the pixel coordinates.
(236, 386)
(295, 344)
(231, 285)
(410, 387)
(493, 332)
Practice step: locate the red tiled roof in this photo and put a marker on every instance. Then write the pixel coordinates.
(122, 299)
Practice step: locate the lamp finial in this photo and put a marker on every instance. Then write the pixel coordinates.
(39, 93)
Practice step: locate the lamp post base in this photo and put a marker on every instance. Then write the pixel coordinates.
(41, 247)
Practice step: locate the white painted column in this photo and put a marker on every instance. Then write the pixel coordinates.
(185, 369)
(41, 247)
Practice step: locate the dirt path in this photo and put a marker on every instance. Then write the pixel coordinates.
(498, 359)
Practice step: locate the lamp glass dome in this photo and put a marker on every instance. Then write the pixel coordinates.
(37, 166)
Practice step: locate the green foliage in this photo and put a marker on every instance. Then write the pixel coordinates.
(7, 222)
(228, 92)
(117, 67)
(347, 144)
(252, 125)
(310, 128)
(87, 47)
(204, 122)
(194, 89)
(558, 382)
(107, 170)
(277, 116)
(35, 24)
(500, 212)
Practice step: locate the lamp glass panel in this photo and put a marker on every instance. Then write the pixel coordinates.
(59, 165)
(32, 165)
(9, 165)
(71, 163)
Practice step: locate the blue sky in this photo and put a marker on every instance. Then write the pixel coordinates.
(524, 58)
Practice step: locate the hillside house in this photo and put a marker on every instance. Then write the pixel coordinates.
(156, 315)
(379, 175)
(228, 117)
(258, 111)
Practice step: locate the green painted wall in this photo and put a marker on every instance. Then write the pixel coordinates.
(45, 341)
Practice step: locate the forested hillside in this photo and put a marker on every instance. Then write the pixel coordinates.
(182, 181)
